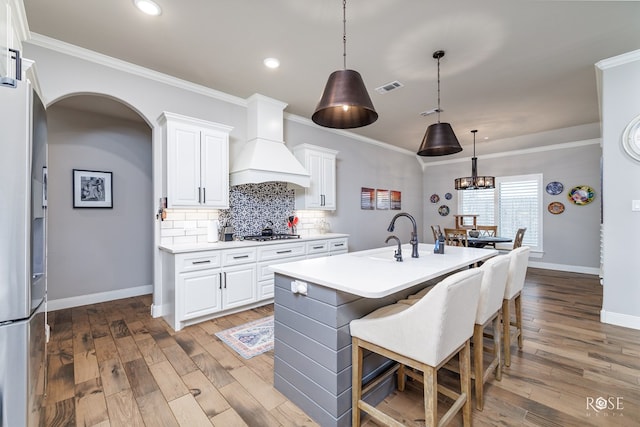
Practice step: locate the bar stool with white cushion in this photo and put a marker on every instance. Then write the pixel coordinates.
(422, 336)
(494, 282)
(513, 290)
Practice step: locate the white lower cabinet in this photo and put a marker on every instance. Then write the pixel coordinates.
(338, 246)
(275, 254)
(239, 286)
(200, 293)
(201, 285)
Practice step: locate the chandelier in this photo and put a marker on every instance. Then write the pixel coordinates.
(474, 182)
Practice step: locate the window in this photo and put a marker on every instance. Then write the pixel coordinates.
(516, 202)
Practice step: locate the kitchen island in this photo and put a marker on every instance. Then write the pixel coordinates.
(316, 299)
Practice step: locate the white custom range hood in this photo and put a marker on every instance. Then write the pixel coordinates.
(265, 157)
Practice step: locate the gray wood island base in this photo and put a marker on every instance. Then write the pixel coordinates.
(312, 355)
(314, 302)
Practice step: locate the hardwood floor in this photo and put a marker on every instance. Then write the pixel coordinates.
(111, 364)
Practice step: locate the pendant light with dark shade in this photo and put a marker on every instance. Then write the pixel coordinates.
(439, 139)
(345, 103)
(475, 182)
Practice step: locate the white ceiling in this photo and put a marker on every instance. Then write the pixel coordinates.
(512, 67)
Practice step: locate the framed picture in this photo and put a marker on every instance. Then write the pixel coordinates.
(92, 189)
(382, 199)
(367, 198)
(396, 200)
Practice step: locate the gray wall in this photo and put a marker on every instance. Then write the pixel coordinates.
(99, 250)
(571, 240)
(621, 175)
(361, 164)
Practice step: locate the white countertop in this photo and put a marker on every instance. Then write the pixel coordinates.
(194, 247)
(374, 273)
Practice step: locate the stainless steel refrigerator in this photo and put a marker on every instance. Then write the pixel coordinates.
(23, 266)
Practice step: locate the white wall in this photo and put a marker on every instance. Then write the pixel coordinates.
(96, 251)
(621, 175)
(361, 164)
(62, 74)
(571, 240)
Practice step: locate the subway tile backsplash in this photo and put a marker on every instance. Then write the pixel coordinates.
(251, 207)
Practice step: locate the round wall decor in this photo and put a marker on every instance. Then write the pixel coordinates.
(448, 196)
(581, 195)
(434, 198)
(631, 139)
(554, 188)
(555, 208)
(443, 210)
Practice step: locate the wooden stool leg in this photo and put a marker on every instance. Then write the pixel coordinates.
(401, 377)
(519, 319)
(506, 332)
(497, 346)
(465, 382)
(356, 381)
(430, 376)
(478, 365)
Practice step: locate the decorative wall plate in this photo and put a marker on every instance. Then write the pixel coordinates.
(555, 208)
(448, 196)
(554, 188)
(631, 139)
(434, 198)
(443, 210)
(581, 195)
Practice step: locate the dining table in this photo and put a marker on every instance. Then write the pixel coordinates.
(482, 241)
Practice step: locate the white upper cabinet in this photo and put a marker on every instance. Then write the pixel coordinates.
(320, 162)
(197, 153)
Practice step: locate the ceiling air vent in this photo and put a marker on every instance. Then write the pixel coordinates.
(389, 87)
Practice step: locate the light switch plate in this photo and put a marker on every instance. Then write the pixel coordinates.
(635, 205)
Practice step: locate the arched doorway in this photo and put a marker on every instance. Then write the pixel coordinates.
(98, 254)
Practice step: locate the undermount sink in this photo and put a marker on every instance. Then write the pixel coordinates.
(387, 253)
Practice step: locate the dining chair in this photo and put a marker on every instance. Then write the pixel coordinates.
(488, 230)
(517, 241)
(455, 237)
(422, 337)
(437, 231)
(513, 292)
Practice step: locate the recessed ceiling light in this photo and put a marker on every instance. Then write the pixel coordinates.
(149, 7)
(271, 62)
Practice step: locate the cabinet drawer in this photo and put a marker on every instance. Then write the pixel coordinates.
(338, 245)
(238, 256)
(317, 247)
(266, 289)
(198, 261)
(274, 252)
(265, 273)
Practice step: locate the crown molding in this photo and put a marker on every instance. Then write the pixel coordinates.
(616, 61)
(108, 61)
(524, 151)
(308, 122)
(117, 64)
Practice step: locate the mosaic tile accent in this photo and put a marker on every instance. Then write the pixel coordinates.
(252, 206)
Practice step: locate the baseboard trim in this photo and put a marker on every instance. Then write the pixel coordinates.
(564, 267)
(158, 310)
(620, 319)
(62, 303)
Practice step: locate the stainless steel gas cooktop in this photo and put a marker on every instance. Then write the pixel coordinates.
(261, 238)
